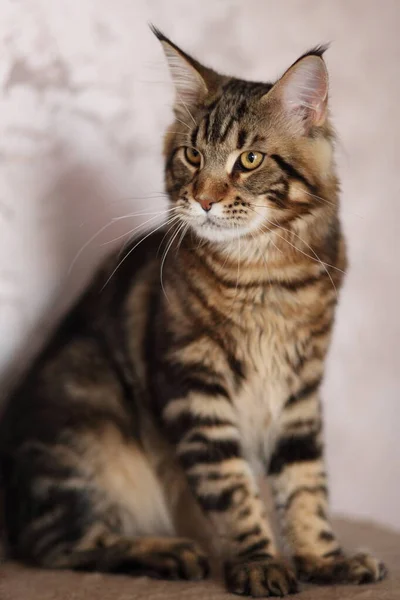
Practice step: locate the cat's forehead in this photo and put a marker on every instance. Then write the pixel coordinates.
(232, 116)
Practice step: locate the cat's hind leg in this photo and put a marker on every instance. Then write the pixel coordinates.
(92, 502)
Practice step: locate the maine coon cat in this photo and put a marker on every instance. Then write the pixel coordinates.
(135, 443)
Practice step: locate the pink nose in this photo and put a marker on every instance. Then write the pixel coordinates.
(207, 193)
(206, 203)
(206, 200)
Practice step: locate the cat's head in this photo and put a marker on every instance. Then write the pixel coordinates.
(244, 157)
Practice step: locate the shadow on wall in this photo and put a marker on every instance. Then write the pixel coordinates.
(76, 229)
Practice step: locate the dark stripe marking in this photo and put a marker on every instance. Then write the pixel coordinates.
(304, 489)
(314, 424)
(241, 110)
(255, 548)
(228, 127)
(304, 392)
(321, 513)
(277, 197)
(212, 104)
(298, 284)
(326, 536)
(215, 452)
(222, 501)
(195, 384)
(293, 285)
(200, 296)
(338, 552)
(242, 136)
(257, 138)
(192, 376)
(246, 534)
(244, 513)
(202, 438)
(186, 421)
(193, 137)
(206, 121)
(295, 449)
(291, 171)
(322, 330)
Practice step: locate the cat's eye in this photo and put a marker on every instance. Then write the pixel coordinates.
(193, 156)
(250, 160)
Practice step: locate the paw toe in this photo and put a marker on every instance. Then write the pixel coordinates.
(358, 569)
(193, 563)
(364, 568)
(260, 578)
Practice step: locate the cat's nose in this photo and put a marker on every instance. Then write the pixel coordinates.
(206, 202)
(207, 199)
(209, 192)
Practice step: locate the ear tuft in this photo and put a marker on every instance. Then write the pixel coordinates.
(318, 50)
(159, 34)
(191, 88)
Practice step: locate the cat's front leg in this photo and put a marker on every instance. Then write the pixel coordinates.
(300, 488)
(203, 428)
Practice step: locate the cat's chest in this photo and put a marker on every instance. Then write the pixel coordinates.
(267, 351)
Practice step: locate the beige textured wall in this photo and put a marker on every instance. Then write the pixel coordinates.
(84, 98)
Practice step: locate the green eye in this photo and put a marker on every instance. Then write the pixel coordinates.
(251, 160)
(193, 156)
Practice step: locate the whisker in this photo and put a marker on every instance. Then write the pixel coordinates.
(135, 246)
(329, 202)
(185, 133)
(183, 123)
(201, 243)
(308, 246)
(128, 240)
(278, 226)
(86, 244)
(258, 249)
(187, 109)
(179, 227)
(317, 258)
(322, 263)
(164, 236)
(182, 236)
(144, 214)
(156, 216)
(152, 196)
(271, 240)
(238, 266)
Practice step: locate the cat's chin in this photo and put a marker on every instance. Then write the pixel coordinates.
(213, 233)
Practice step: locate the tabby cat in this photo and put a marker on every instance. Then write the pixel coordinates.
(136, 441)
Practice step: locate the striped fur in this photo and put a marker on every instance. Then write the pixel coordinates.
(136, 441)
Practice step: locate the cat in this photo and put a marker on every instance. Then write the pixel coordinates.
(136, 441)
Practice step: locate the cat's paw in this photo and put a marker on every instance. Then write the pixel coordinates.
(178, 560)
(359, 568)
(261, 577)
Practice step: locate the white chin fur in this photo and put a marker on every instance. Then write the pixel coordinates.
(212, 233)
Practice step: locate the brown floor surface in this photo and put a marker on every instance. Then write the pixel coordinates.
(20, 583)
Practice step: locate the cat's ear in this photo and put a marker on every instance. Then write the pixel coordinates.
(303, 90)
(192, 81)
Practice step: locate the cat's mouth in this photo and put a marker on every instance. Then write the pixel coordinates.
(214, 220)
(217, 228)
(221, 222)
(209, 220)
